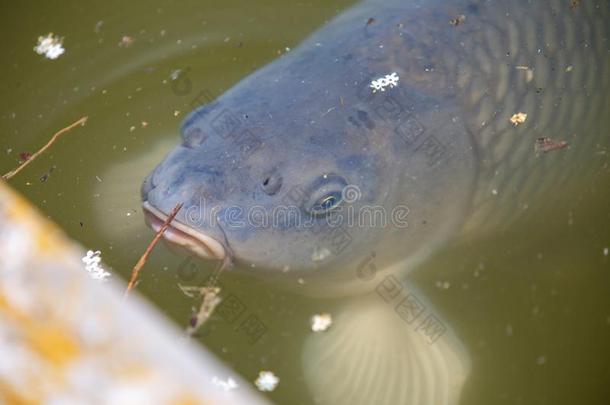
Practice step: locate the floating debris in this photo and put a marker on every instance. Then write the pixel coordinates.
(92, 262)
(606, 251)
(457, 20)
(380, 84)
(370, 21)
(544, 145)
(321, 322)
(266, 381)
(518, 118)
(24, 156)
(574, 4)
(209, 293)
(126, 41)
(51, 46)
(208, 304)
(47, 174)
(227, 385)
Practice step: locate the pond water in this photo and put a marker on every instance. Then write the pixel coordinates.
(530, 303)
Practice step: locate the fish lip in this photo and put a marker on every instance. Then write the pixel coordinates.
(183, 235)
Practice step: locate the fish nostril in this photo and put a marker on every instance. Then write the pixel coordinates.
(193, 138)
(272, 183)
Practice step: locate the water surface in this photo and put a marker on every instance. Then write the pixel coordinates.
(531, 303)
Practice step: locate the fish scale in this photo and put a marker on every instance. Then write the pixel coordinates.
(568, 53)
(541, 58)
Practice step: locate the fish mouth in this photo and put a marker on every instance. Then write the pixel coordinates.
(184, 236)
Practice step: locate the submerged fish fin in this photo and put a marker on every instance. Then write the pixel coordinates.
(377, 353)
(117, 201)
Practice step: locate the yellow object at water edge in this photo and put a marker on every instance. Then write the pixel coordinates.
(68, 338)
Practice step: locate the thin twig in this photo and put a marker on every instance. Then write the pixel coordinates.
(12, 173)
(136, 270)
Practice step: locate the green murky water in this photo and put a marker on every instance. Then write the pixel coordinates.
(531, 304)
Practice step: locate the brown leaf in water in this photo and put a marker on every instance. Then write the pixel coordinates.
(544, 145)
(24, 156)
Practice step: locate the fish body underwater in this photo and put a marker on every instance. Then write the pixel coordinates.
(394, 129)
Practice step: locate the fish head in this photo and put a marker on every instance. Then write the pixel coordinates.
(288, 175)
(273, 188)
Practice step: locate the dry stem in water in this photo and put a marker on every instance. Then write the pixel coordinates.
(210, 298)
(53, 139)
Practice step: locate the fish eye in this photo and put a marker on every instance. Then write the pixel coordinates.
(326, 195)
(326, 204)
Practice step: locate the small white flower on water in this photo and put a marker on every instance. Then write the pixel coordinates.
(92, 262)
(50, 46)
(228, 385)
(380, 84)
(321, 322)
(266, 381)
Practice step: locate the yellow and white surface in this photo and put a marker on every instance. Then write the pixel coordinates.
(66, 338)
